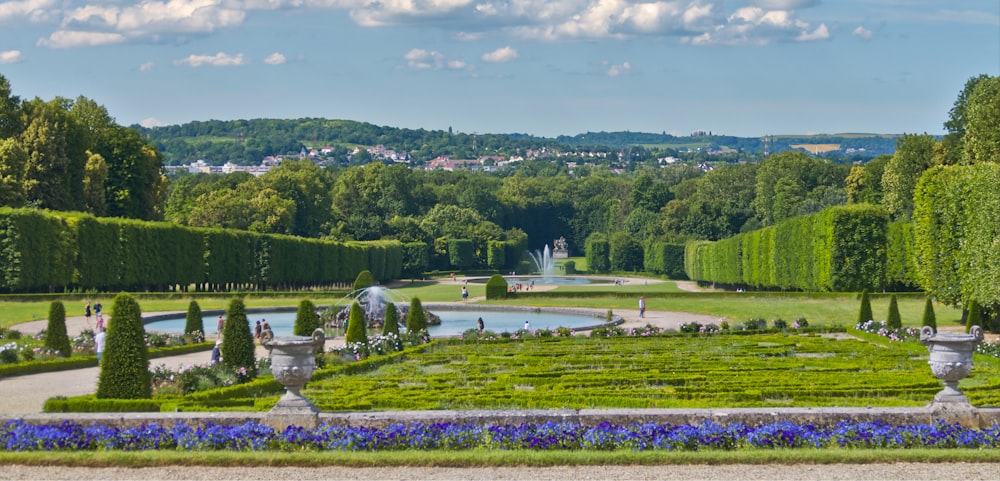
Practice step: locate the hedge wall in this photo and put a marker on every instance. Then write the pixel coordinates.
(956, 228)
(666, 259)
(839, 249)
(42, 251)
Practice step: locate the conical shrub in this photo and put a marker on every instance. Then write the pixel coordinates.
(237, 340)
(356, 325)
(894, 321)
(125, 366)
(364, 280)
(306, 320)
(56, 338)
(975, 317)
(866, 308)
(929, 318)
(193, 322)
(390, 325)
(416, 319)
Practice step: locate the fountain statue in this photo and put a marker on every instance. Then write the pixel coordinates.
(544, 263)
(293, 360)
(951, 359)
(560, 249)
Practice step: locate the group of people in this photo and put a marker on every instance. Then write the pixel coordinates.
(100, 337)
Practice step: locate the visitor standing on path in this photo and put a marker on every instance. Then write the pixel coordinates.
(97, 308)
(465, 293)
(257, 330)
(99, 342)
(217, 351)
(218, 326)
(86, 313)
(642, 307)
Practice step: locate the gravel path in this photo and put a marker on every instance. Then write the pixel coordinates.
(800, 472)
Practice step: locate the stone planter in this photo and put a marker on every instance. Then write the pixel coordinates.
(293, 360)
(951, 360)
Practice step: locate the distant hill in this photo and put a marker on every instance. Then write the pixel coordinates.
(247, 142)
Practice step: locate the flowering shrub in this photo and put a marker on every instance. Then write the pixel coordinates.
(880, 328)
(20, 436)
(691, 327)
(201, 377)
(989, 348)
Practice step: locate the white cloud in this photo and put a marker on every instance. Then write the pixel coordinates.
(863, 33)
(821, 33)
(76, 38)
(34, 11)
(151, 122)
(11, 56)
(620, 69)
(220, 59)
(146, 67)
(785, 4)
(500, 55)
(275, 58)
(694, 22)
(420, 59)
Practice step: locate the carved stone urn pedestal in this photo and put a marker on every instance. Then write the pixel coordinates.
(951, 360)
(293, 360)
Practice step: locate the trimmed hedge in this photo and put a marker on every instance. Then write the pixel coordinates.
(839, 249)
(43, 251)
(125, 370)
(496, 287)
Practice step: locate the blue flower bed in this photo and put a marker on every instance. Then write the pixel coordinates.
(19, 436)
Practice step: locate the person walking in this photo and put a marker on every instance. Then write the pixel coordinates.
(642, 307)
(100, 339)
(257, 330)
(218, 326)
(86, 314)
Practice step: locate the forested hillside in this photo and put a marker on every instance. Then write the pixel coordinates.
(246, 142)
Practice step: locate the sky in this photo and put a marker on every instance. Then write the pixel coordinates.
(560, 67)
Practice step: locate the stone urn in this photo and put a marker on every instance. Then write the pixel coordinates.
(951, 359)
(293, 360)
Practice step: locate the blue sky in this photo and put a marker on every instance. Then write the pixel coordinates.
(746, 68)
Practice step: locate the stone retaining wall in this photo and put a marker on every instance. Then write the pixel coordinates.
(964, 414)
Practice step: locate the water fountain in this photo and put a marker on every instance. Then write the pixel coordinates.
(373, 301)
(544, 262)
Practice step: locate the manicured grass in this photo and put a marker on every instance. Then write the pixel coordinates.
(486, 458)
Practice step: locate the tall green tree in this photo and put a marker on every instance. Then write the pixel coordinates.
(309, 188)
(306, 320)
(10, 105)
(953, 148)
(416, 318)
(974, 316)
(865, 314)
(193, 321)
(914, 154)
(125, 367)
(237, 340)
(56, 338)
(929, 319)
(390, 325)
(48, 180)
(356, 329)
(894, 321)
(981, 141)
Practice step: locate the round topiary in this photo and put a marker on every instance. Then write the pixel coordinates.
(193, 322)
(306, 320)
(56, 338)
(496, 287)
(866, 308)
(416, 319)
(125, 367)
(894, 321)
(356, 332)
(929, 318)
(390, 325)
(237, 340)
(364, 280)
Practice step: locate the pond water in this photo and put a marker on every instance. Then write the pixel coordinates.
(556, 280)
(454, 320)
